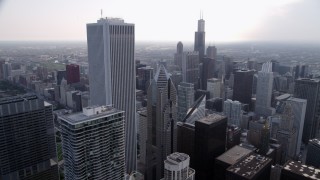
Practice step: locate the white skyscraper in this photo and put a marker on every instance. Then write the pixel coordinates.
(111, 45)
(177, 167)
(233, 110)
(214, 87)
(93, 144)
(264, 91)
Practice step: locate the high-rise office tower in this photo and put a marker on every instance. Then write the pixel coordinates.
(185, 140)
(265, 138)
(214, 86)
(233, 136)
(313, 154)
(2, 62)
(142, 140)
(73, 73)
(304, 71)
(185, 99)
(6, 69)
(111, 44)
(309, 89)
(177, 167)
(231, 81)
(28, 146)
(275, 65)
(286, 134)
(199, 39)
(233, 111)
(162, 118)
(207, 71)
(190, 67)
(255, 132)
(63, 90)
(93, 143)
(145, 75)
(178, 55)
(242, 87)
(297, 72)
(264, 91)
(299, 112)
(61, 74)
(212, 52)
(210, 142)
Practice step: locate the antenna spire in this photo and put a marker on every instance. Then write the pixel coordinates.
(101, 13)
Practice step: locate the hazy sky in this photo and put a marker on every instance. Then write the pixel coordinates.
(165, 20)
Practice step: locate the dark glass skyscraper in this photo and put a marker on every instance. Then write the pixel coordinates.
(242, 88)
(28, 147)
(210, 141)
(199, 39)
(309, 89)
(73, 73)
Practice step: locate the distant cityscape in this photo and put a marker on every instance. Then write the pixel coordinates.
(115, 108)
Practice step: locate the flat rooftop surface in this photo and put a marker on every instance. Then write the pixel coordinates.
(234, 154)
(249, 166)
(302, 170)
(81, 117)
(212, 118)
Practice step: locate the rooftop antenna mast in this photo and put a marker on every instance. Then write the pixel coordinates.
(101, 13)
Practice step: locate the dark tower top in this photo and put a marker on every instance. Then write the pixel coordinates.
(199, 39)
(179, 47)
(201, 25)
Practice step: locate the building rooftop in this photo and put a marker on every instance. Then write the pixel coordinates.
(185, 84)
(178, 157)
(249, 166)
(213, 80)
(146, 67)
(234, 154)
(283, 97)
(309, 80)
(111, 21)
(15, 99)
(90, 113)
(302, 170)
(212, 118)
(244, 70)
(297, 100)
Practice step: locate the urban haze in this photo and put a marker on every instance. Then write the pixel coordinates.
(168, 90)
